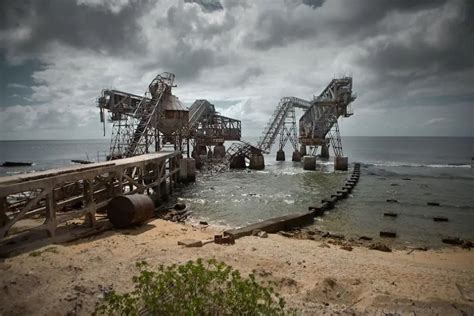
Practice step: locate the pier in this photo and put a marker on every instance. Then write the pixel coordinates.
(77, 192)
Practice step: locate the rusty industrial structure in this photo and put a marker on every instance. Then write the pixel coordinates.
(318, 127)
(141, 124)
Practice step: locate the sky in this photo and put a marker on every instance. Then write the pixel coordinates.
(412, 62)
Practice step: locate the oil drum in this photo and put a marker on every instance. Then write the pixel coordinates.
(127, 210)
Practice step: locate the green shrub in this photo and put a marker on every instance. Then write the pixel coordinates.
(194, 288)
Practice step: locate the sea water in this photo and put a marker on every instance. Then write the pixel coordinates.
(411, 170)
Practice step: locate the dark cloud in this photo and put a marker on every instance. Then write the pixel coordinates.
(333, 20)
(67, 22)
(208, 5)
(313, 3)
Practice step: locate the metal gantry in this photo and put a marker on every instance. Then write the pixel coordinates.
(317, 127)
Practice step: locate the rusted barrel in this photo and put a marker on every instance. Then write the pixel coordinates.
(127, 210)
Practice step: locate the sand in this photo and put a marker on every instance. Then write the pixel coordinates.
(315, 277)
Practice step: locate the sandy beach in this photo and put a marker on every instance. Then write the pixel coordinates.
(315, 277)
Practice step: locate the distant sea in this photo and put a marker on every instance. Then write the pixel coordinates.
(412, 170)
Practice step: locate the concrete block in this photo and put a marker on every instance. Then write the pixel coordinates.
(280, 155)
(341, 163)
(238, 162)
(309, 162)
(257, 162)
(274, 225)
(296, 156)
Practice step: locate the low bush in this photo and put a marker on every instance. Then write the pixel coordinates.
(194, 288)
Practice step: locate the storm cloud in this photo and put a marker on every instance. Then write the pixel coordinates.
(411, 61)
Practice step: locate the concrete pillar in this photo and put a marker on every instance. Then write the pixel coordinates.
(164, 195)
(280, 155)
(191, 170)
(238, 162)
(309, 162)
(187, 170)
(201, 150)
(219, 151)
(341, 163)
(257, 162)
(296, 156)
(303, 150)
(324, 151)
(183, 170)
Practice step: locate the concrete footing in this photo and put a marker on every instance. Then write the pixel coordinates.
(341, 163)
(309, 162)
(280, 155)
(274, 225)
(238, 162)
(219, 151)
(296, 156)
(257, 162)
(325, 151)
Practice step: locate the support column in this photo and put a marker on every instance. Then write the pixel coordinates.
(296, 156)
(309, 162)
(219, 151)
(341, 163)
(257, 162)
(280, 155)
(303, 150)
(324, 151)
(238, 162)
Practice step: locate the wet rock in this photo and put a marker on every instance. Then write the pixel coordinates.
(365, 238)
(388, 233)
(432, 203)
(440, 219)
(467, 244)
(380, 247)
(204, 223)
(262, 234)
(392, 201)
(453, 241)
(390, 214)
(179, 206)
(287, 234)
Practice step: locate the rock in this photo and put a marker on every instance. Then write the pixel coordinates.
(221, 240)
(453, 241)
(262, 234)
(467, 244)
(392, 201)
(432, 203)
(389, 234)
(440, 219)
(380, 247)
(204, 223)
(190, 243)
(406, 179)
(365, 238)
(324, 245)
(390, 214)
(179, 206)
(287, 234)
(347, 247)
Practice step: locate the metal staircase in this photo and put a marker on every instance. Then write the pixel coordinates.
(276, 123)
(134, 132)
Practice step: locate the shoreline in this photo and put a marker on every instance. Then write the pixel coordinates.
(313, 276)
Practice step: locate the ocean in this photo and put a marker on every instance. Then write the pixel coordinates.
(411, 170)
